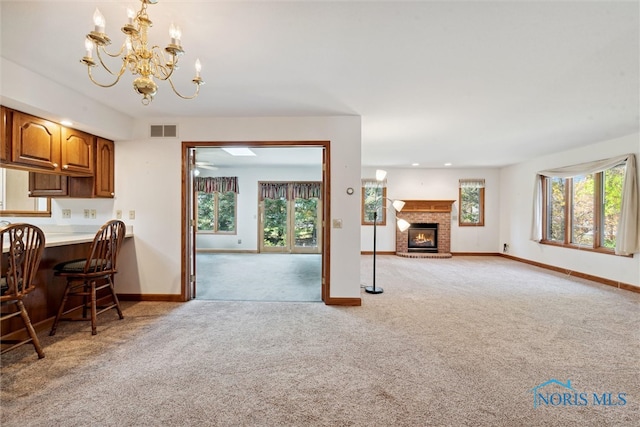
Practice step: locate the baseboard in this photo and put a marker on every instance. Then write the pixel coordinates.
(378, 252)
(475, 253)
(226, 251)
(151, 297)
(602, 280)
(351, 302)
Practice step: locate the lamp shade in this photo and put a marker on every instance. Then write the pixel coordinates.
(403, 225)
(397, 205)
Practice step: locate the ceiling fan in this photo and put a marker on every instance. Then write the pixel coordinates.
(206, 165)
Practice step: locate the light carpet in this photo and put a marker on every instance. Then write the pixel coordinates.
(456, 342)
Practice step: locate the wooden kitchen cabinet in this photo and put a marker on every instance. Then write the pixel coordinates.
(35, 142)
(77, 151)
(62, 162)
(101, 184)
(105, 168)
(47, 185)
(5, 134)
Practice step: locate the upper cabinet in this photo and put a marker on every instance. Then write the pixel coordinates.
(48, 146)
(5, 134)
(105, 166)
(35, 142)
(79, 164)
(77, 151)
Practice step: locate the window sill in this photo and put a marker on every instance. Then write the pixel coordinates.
(605, 251)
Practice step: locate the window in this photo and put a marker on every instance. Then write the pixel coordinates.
(373, 195)
(471, 206)
(217, 212)
(588, 206)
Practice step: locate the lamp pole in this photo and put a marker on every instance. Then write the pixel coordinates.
(373, 289)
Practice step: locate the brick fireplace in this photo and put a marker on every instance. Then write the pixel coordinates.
(426, 212)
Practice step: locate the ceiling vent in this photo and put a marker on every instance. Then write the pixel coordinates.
(163, 131)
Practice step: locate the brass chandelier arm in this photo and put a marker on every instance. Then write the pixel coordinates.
(197, 83)
(107, 68)
(106, 85)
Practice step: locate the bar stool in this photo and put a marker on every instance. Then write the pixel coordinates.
(22, 247)
(85, 277)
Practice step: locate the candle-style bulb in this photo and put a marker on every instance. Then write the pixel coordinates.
(131, 14)
(198, 67)
(99, 21)
(88, 45)
(175, 34)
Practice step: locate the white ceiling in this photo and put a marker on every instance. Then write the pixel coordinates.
(477, 84)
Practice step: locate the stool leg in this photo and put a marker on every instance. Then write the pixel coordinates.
(30, 330)
(61, 309)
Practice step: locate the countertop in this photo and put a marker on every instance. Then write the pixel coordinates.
(62, 235)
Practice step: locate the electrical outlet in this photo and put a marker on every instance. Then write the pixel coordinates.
(239, 241)
(132, 214)
(66, 213)
(118, 214)
(87, 213)
(93, 214)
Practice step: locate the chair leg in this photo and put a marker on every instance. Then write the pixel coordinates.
(115, 297)
(30, 330)
(94, 310)
(61, 309)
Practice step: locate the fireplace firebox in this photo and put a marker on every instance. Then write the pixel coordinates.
(423, 237)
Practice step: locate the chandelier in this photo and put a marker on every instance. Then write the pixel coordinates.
(147, 63)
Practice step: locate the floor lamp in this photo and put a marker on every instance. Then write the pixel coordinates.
(401, 223)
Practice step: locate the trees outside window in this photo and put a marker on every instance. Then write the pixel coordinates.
(471, 206)
(588, 206)
(217, 212)
(373, 197)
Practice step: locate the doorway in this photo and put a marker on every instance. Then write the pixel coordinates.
(305, 235)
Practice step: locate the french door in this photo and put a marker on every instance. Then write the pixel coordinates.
(290, 226)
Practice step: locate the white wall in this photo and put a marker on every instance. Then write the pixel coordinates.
(148, 180)
(247, 204)
(439, 184)
(516, 204)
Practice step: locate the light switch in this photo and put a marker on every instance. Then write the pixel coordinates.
(337, 223)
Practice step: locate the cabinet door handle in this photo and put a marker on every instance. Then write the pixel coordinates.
(113, 194)
(55, 165)
(65, 167)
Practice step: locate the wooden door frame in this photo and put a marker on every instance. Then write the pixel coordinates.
(185, 292)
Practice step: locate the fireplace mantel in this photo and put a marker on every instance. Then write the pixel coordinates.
(427, 205)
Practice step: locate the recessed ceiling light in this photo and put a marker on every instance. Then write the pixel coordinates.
(415, 164)
(66, 122)
(448, 164)
(239, 151)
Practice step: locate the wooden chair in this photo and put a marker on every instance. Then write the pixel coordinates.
(22, 247)
(85, 277)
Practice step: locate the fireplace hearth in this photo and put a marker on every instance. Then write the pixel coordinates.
(423, 238)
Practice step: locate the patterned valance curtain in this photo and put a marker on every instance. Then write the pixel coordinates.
(299, 190)
(274, 190)
(370, 182)
(472, 183)
(219, 184)
(306, 190)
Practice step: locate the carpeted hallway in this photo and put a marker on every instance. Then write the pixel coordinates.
(457, 342)
(259, 277)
